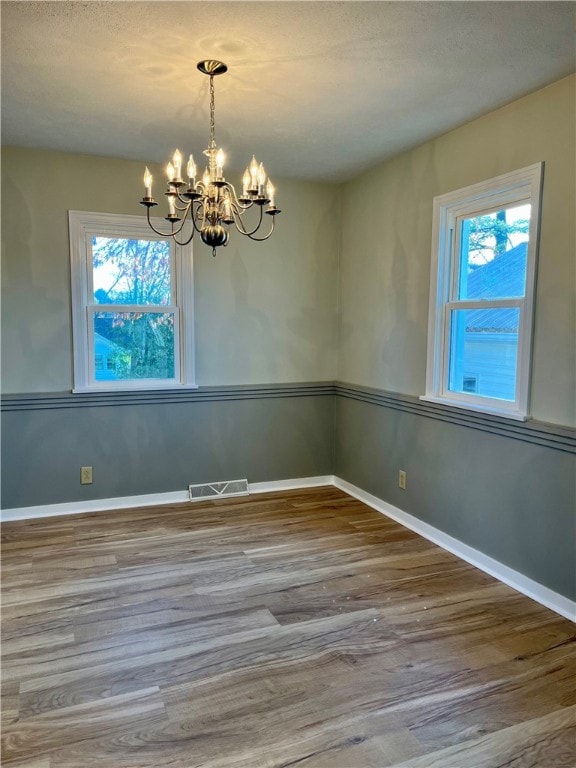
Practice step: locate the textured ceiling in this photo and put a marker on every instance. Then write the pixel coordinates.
(318, 90)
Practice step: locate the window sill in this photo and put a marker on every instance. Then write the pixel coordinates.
(489, 411)
(107, 390)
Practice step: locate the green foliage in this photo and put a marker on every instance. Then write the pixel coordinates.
(490, 236)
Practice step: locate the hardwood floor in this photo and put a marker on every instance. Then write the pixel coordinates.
(295, 629)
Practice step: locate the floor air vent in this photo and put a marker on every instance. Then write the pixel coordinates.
(218, 490)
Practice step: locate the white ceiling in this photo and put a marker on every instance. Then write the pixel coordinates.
(318, 90)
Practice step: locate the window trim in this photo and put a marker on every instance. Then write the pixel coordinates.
(83, 225)
(521, 186)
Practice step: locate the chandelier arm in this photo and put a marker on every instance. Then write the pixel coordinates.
(201, 209)
(186, 242)
(193, 216)
(180, 228)
(165, 234)
(261, 239)
(153, 228)
(244, 207)
(235, 202)
(241, 207)
(185, 200)
(240, 226)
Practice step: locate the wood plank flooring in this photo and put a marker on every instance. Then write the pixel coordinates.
(295, 629)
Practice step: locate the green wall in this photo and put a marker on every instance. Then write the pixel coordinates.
(386, 247)
(265, 312)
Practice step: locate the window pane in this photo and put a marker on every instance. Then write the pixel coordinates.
(484, 351)
(131, 271)
(493, 254)
(133, 345)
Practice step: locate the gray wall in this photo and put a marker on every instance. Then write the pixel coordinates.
(163, 443)
(511, 499)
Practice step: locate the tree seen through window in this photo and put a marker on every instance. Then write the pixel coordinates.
(129, 274)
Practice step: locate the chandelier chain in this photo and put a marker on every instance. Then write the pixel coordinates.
(212, 127)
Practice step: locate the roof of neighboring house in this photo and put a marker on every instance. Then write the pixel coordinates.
(502, 277)
(102, 345)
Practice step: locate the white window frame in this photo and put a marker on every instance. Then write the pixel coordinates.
(83, 226)
(506, 191)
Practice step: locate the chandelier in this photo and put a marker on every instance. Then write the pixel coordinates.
(210, 205)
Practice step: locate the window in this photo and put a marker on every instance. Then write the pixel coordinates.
(469, 383)
(482, 294)
(132, 305)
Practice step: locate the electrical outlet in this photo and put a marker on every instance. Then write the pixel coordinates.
(402, 479)
(85, 475)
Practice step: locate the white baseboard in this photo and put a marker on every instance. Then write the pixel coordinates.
(498, 570)
(93, 505)
(509, 576)
(149, 499)
(291, 485)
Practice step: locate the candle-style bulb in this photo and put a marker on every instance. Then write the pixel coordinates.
(253, 168)
(170, 172)
(220, 158)
(191, 168)
(246, 182)
(177, 160)
(270, 192)
(206, 178)
(261, 181)
(148, 181)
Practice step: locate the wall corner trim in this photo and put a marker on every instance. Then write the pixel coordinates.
(526, 586)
